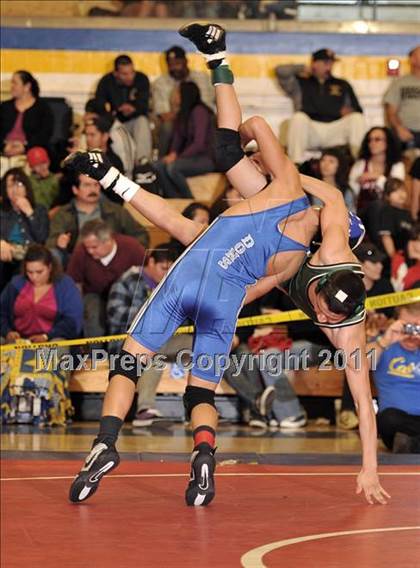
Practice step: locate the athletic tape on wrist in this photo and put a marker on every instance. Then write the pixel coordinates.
(110, 178)
(214, 56)
(119, 184)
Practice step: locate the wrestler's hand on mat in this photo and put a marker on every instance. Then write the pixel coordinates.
(368, 482)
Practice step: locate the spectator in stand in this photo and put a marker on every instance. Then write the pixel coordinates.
(125, 92)
(89, 204)
(379, 158)
(163, 87)
(22, 222)
(42, 304)
(327, 112)
(307, 341)
(372, 261)
(25, 120)
(131, 8)
(191, 147)
(334, 169)
(396, 223)
(122, 142)
(197, 212)
(100, 258)
(402, 103)
(415, 190)
(256, 401)
(45, 185)
(405, 265)
(128, 294)
(397, 378)
(97, 132)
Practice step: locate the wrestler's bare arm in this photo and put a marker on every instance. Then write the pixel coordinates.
(272, 153)
(351, 341)
(318, 188)
(334, 221)
(262, 287)
(159, 211)
(245, 176)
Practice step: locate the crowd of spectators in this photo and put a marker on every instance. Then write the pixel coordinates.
(250, 9)
(79, 262)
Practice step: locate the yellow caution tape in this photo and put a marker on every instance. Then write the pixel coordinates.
(375, 303)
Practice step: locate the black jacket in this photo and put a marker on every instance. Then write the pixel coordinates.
(38, 122)
(110, 91)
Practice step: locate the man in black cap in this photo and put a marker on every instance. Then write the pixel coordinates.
(327, 112)
(164, 85)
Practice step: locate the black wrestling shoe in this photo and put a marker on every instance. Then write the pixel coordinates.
(209, 39)
(101, 460)
(201, 490)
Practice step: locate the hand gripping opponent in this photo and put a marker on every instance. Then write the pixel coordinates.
(97, 166)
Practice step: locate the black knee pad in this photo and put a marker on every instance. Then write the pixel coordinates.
(194, 396)
(127, 365)
(228, 149)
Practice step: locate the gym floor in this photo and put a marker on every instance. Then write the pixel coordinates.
(283, 499)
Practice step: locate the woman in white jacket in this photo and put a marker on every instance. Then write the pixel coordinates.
(379, 158)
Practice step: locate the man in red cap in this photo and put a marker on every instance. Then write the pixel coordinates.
(44, 184)
(327, 112)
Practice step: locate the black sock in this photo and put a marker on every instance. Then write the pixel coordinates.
(109, 428)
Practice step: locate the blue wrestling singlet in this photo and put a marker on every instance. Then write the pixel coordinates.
(207, 284)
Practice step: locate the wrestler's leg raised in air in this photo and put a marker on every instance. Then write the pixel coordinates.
(232, 133)
(104, 457)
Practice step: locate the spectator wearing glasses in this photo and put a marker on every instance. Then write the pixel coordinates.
(379, 158)
(22, 222)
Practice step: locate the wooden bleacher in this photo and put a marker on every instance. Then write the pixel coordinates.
(313, 382)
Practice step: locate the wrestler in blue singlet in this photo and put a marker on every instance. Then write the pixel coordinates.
(207, 284)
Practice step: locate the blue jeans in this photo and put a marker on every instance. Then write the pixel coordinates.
(172, 177)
